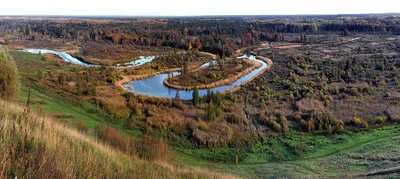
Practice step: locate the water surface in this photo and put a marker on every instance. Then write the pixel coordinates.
(68, 58)
(154, 86)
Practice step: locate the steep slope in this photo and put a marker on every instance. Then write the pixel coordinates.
(33, 145)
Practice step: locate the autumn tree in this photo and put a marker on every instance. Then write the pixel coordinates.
(185, 31)
(190, 45)
(61, 79)
(303, 38)
(211, 111)
(198, 44)
(247, 39)
(221, 62)
(9, 86)
(7, 39)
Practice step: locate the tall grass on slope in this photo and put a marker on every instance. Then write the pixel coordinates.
(33, 145)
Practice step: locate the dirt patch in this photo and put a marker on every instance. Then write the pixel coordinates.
(264, 46)
(207, 53)
(71, 83)
(286, 46)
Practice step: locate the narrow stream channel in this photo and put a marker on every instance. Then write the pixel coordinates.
(68, 58)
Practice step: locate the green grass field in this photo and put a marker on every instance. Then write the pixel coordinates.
(327, 156)
(71, 112)
(59, 105)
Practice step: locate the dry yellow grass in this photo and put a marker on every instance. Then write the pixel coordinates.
(34, 145)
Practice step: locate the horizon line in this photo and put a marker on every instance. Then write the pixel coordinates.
(245, 15)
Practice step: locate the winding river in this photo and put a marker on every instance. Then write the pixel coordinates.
(153, 86)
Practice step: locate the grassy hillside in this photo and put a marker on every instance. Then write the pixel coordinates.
(33, 145)
(350, 155)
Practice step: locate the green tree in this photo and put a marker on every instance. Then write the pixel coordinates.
(196, 98)
(218, 98)
(210, 111)
(177, 97)
(79, 88)
(185, 67)
(222, 65)
(346, 32)
(9, 85)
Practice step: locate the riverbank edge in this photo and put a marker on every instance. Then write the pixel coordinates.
(226, 81)
(237, 87)
(128, 78)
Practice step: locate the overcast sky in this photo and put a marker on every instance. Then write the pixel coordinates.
(195, 7)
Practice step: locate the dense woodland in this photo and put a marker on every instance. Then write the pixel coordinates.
(212, 35)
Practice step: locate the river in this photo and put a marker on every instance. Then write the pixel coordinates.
(154, 86)
(68, 58)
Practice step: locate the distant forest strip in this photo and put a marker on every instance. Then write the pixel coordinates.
(219, 35)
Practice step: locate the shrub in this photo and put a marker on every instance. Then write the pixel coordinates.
(276, 126)
(356, 120)
(111, 136)
(9, 86)
(80, 125)
(311, 125)
(284, 124)
(40, 74)
(217, 134)
(61, 79)
(233, 118)
(379, 120)
(153, 149)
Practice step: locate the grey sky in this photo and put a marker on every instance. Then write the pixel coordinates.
(195, 7)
